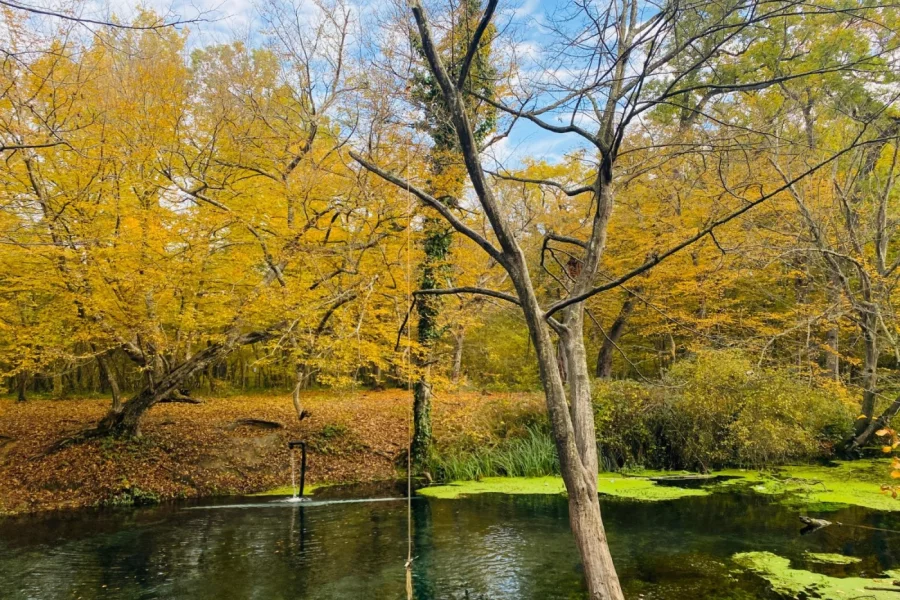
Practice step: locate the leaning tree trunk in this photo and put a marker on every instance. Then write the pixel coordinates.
(110, 377)
(575, 440)
(127, 422)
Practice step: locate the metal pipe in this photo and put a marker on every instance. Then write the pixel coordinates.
(291, 445)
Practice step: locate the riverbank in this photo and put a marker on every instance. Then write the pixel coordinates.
(210, 449)
(203, 450)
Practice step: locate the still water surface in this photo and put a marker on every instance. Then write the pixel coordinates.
(491, 547)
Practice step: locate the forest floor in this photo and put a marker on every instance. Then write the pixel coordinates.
(189, 451)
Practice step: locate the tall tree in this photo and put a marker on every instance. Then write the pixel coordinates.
(620, 63)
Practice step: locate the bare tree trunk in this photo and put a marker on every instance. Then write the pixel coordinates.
(109, 376)
(578, 461)
(611, 339)
(21, 384)
(869, 376)
(833, 337)
(421, 442)
(456, 373)
(832, 357)
(299, 384)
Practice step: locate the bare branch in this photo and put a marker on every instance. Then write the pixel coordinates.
(476, 41)
(658, 258)
(86, 21)
(434, 203)
(469, 290)
(567, 191)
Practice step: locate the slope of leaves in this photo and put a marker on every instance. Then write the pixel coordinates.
(198, 450)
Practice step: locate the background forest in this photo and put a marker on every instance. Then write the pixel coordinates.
(182, 220)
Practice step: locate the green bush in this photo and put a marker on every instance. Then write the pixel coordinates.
(716, 409)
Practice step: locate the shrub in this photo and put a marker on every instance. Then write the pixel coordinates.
(716, 409)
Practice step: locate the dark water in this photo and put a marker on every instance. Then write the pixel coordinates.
(490, 546)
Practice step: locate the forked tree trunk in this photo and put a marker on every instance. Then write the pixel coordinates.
(578, 461)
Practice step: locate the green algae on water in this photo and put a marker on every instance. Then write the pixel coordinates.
(635, 488)
(827, 558)
(800, 583)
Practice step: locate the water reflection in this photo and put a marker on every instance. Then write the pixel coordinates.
(493, 547)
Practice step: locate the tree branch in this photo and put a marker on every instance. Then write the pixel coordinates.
(567, 191)
(658, 258)
(475, 42)
(436, 204)
(469, 290)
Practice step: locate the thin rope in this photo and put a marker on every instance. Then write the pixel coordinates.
(867, 527)
(409, 428)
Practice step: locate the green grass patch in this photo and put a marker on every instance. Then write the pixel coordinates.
(531, 455)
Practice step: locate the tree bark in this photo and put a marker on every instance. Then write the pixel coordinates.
(456, 373)
(578, 461)
(869, 375)
(299, 384)
(109, 376)
(421, 442)
(832, 356)
(611, 339)
(21, 385)
(126, 422)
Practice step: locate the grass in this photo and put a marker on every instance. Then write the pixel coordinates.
(533, 455)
